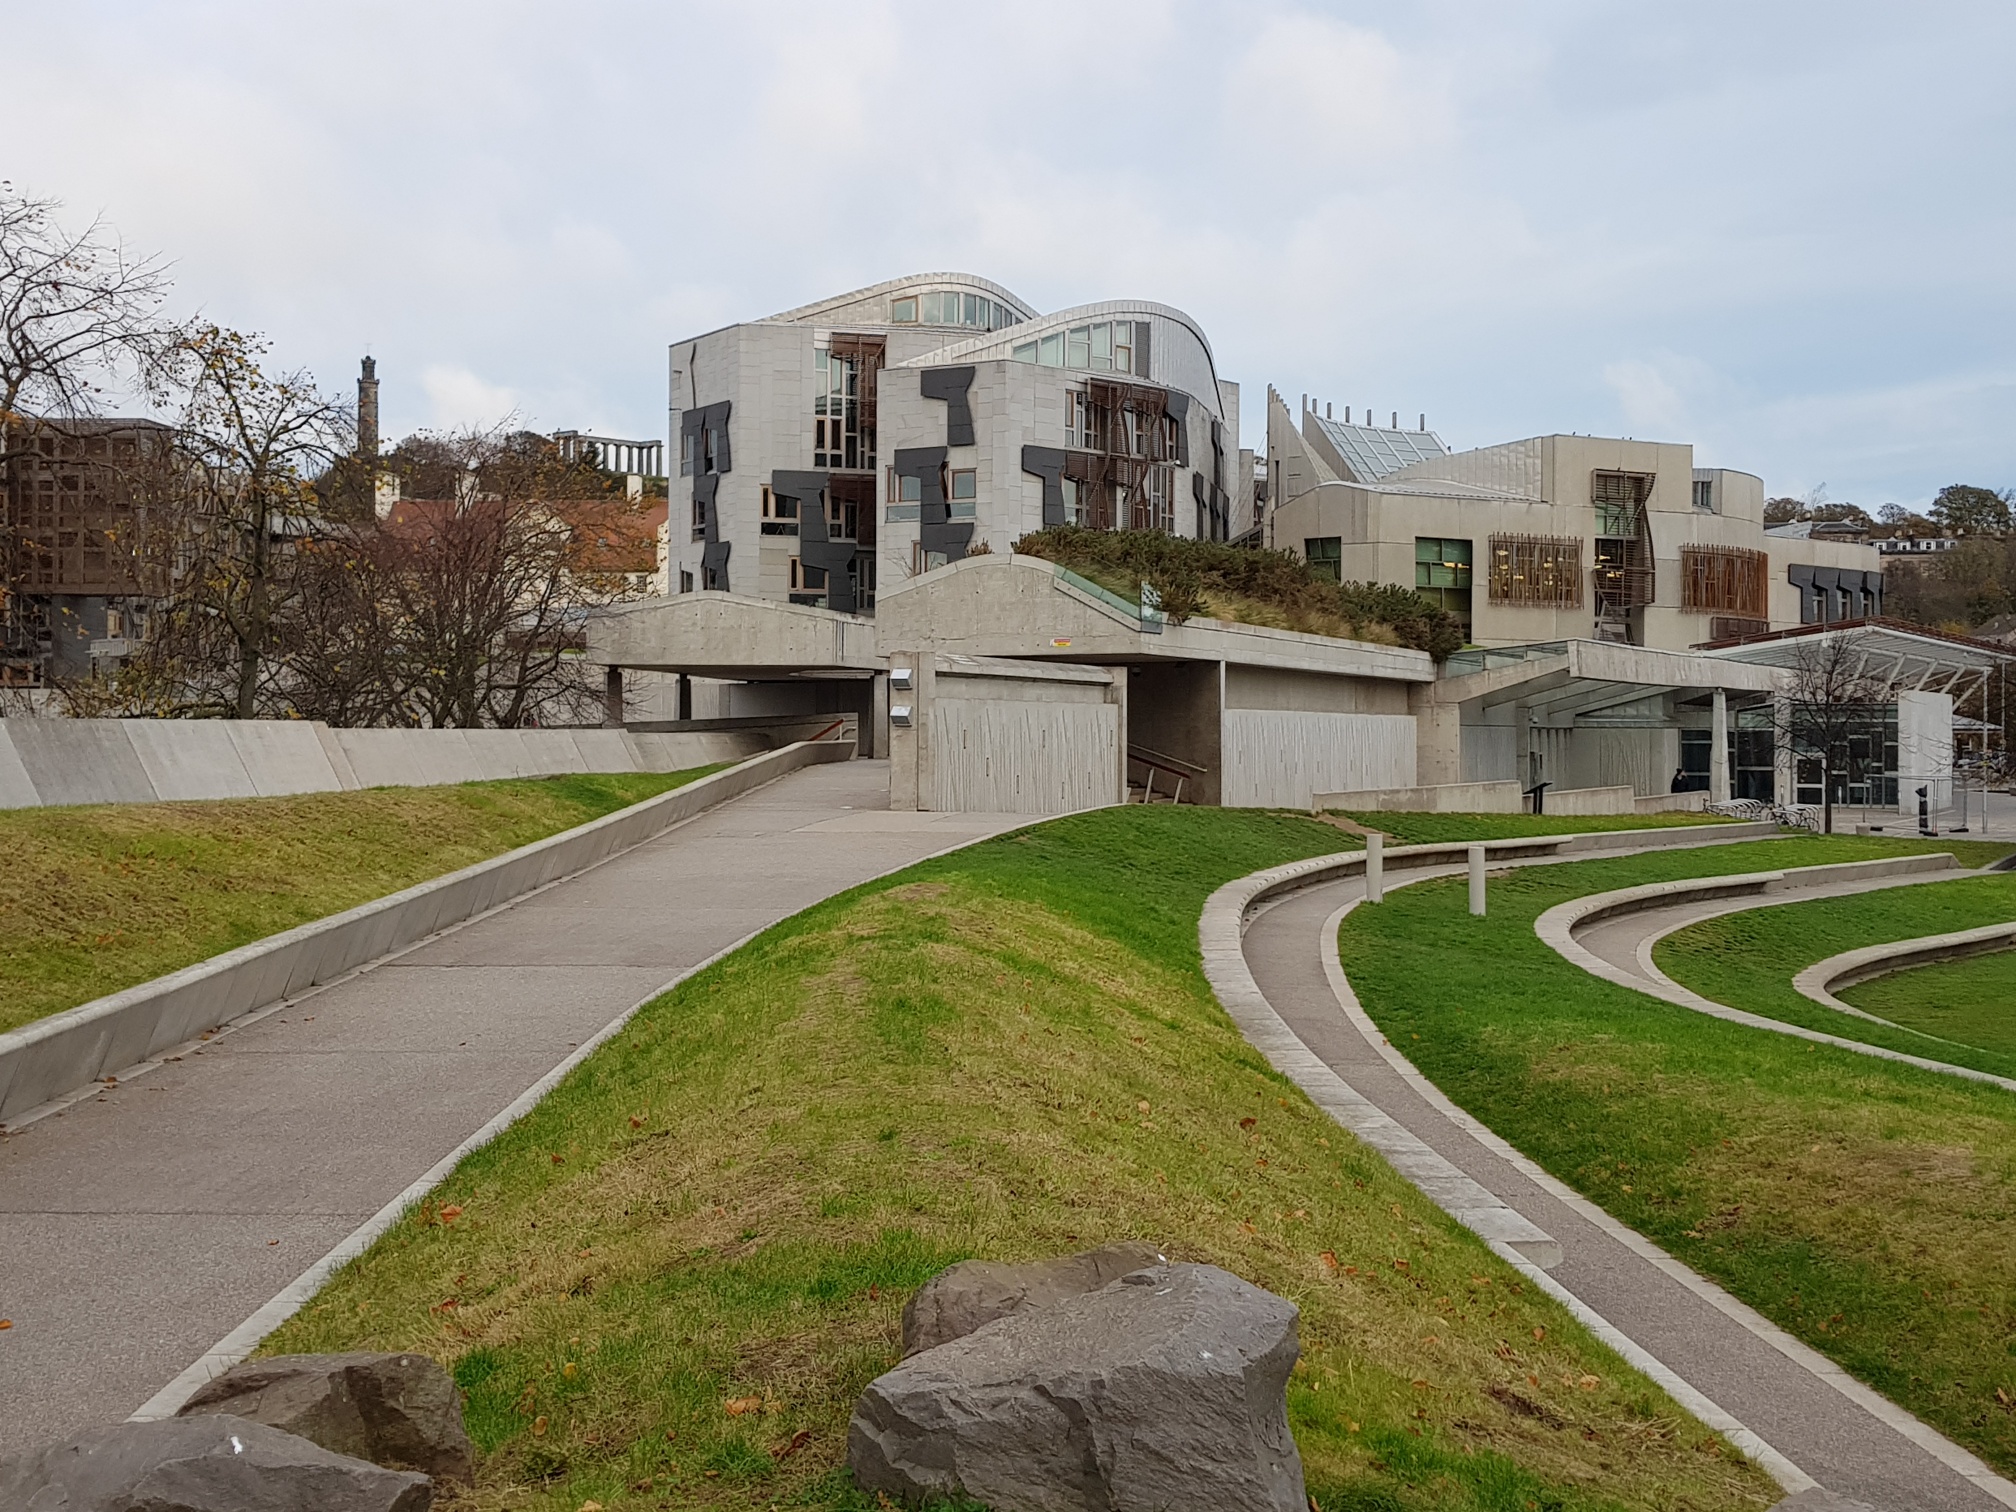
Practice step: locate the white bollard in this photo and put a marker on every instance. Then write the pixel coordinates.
(1477, 880)
(1375, 868)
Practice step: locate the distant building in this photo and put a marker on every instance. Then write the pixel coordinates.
(1915, 545)
(1555, 537)
(75, 592)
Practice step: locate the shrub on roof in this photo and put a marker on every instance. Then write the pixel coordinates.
(1247, 584)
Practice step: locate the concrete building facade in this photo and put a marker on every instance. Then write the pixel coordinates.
(831, 451)
(1554, 537)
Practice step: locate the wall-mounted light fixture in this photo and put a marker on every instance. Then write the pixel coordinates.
(899, 715)
(899, 677)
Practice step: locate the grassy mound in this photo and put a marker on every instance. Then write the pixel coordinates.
(1246, 584)
(103, 897)
(1864, 1206)
(1748, 960)
(1971, 1001)
(667, 1285)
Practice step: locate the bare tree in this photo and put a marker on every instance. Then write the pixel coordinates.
(1832, 703)
(252, 444)
(77, 312)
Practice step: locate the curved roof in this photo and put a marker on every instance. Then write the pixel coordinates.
(909, 281)
(1106, 309)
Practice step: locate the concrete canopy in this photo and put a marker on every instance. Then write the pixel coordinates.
(731, 636)
(1576, 678)
(1026, 606)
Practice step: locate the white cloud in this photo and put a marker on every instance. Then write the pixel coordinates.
(459, 398)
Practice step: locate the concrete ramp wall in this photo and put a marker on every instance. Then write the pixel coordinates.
(1282, 758)
(49, 762)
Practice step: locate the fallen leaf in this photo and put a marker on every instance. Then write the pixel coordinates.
(1539, 1333)
(538, 1425)
(1142, 1105)
(570, 1370)
(6, 1322)
(557, 1159)
(1248, 1122)
(583, 1254)
(1420, 1385)
(741, 1405)
(1329, 1259)
(450, 1214)
(1400, 1265)
(591, 1506)
(1589, 1383)
(636, 1122)
(798, 1441)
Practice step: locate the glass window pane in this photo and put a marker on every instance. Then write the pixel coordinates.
(911, 489)
(1102, 339)
(973, 309)
(1026, 352)
(903, 311)
(965, 483)
(1053, 350)
(1080, 351)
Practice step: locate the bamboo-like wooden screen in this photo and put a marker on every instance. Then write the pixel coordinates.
(1530, 569)
(1725, 580)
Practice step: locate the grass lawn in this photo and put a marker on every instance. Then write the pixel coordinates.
(1866, 1207)
(666, 1286)
(1972, 1001)
(1430, 829)
(102, 897)
(1748, 960)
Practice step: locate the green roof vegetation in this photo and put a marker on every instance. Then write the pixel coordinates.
(103, 897)
(666, 1285)
(1860, 1204)
(1248, 585)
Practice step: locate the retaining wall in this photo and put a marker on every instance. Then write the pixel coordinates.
(47, 762)
(68, 1051)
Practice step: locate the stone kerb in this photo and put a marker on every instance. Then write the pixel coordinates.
(1818, 981)
(67, 1051)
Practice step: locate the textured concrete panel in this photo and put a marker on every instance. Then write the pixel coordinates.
(283, 756)
(189, 758)
(16, 791)
(599, 750)
(81, 761)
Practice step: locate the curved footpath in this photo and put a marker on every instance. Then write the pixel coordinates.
(139, 1227)
(1807, 1421)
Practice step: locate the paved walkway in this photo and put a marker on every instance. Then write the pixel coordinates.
(139, 1227)
(1822, 1431)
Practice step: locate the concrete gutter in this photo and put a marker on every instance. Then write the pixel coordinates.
(113, 1035)
(1818, 981)
(1557, 927)
(1219, 932)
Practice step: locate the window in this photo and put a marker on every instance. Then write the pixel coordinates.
(840, 438)
(965, 484)
(699, 520)
(1704, 495)
(685, 581)
(115, 624)
(1079, 429)
(808, 584)
(1536, 570)
(1724, 580)
(780, 513)
(925, 561)
(1620, 502)
(1110, 346)
(1442, 573)
(909, 489)
(953, 307)
(1325, 556)
(843, 517)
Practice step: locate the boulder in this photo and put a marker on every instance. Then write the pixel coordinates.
(956, 1301)
(1164, 1390)
(400, 1410)
(214, 1463)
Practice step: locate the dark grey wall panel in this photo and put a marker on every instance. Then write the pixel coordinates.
(952, 385)
(1047, 463)
(816, 547)
(936, 528)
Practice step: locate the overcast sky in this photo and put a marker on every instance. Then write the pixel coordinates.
(1778, 229)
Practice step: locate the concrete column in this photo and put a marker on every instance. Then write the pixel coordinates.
(1522, 744)
(875, 729)
(1783, 790)
(1375, 867)
(612, 699)
(1116, 694)
(926, 692)
(1718, 751)
(904, 732)
(1477, 880)
(1438, 736)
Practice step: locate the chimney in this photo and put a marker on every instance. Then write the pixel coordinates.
(367, 411)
